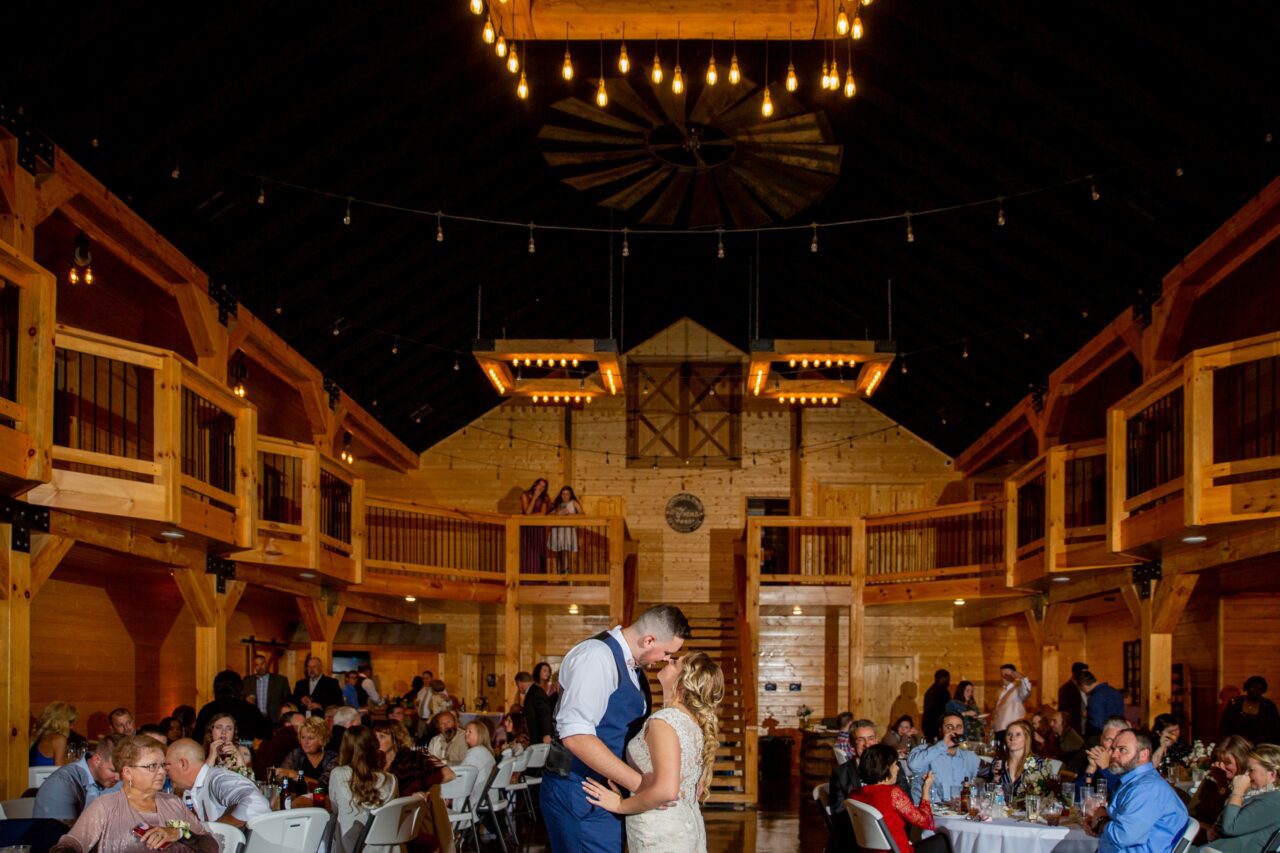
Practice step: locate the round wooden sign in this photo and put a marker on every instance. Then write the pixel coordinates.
(685, 513)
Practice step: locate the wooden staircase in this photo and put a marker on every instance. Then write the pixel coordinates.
(719, 631)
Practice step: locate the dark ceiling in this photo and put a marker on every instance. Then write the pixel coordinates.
(401, 103)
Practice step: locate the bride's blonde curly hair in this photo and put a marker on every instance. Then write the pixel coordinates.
(701, 687)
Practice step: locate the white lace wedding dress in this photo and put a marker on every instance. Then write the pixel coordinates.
(678, 829)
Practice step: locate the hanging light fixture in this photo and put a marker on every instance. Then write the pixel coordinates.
(500, 46)
(735, 74)
(766, 106)
(522, 92)
(488, 34)
(835, 71)
(850, 87)
(656, 74)
(624, 61)
(566, 71)
(677, 78)
(842, 21)
(347, 456)
(238, 374)
(513, 59)
(81, 261)
(793, 82)
(602, 97)
(712, 75)
(477, 6)
(856, 30)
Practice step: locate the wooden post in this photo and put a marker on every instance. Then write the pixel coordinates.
(857, 619)
(511, 609)
(322, 621)
(1159, 613)
(617, 571)
(1047, 632)
(749, 652)
(18, 205)
(797, 463)
(211, 611)
(15, 665)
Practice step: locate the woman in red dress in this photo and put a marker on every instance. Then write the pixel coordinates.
(879, 771)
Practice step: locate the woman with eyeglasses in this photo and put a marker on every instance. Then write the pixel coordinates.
(139, 816)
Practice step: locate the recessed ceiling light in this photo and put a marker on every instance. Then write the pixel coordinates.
(1061, 579)
(172, 534)
(797, 611)
(411, 599)
(307, 575)
(1195, 538)
(959, 602)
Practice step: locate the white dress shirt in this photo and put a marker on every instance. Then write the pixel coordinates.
(588, 676)
(218, 791)
(1009, 707)
(371, 690)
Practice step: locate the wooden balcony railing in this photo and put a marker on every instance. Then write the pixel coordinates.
(947, 542)
(567, 549)
(26, 381)
(802, 550)
(412, 540)
(1058, 515)
(310, 511)
(143, 433)
(1198, 444)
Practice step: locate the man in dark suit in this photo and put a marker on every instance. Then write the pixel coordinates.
(845, 781)
(935, 702)
(538, 712)
(316, 691)
(265, 689)
(1071, 699)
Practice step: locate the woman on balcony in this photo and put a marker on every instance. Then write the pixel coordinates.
(564, 540)
(533, 540)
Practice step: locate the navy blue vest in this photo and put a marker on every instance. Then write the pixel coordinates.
(627, 709)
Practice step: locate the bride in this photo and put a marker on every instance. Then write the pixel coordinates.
(674, 752)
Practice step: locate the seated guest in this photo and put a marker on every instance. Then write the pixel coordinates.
(845, 780)
(157, 732)
(964, 704)
(1144, 813)
(449, 746)
(66, 793)
(1008, 774)
(312, 760)
(222, 744)
(1067, 740)
(357, 786)
(228, 698)
(316, 691)
(50, 735)
(478, 755)
(343, 719)
(1042, 738)
(173, 730)
(213, 793)
(329, 713)
(1098, 767)
(517, 732)
(121, 722)
(844, 746)
(1229, 759)
(414, 771)
(284, 740)
(107, 824)
(879, 770)
(902, 735)
(949, 764)
(1104, 702)
(1252, 716)
(1170, 752)
(1252, 813)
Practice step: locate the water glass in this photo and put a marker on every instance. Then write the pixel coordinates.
(1052, 812)
(1033, 808)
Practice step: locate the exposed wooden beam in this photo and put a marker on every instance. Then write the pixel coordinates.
(1132, 603)
(15, 668)
(123, 538)
(282, 580)
(1169, 600)
(322, 621)
(986, 612)
(1004, 432)
(47, 551)
(426, 588)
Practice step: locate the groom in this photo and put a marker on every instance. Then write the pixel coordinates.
(604, 700)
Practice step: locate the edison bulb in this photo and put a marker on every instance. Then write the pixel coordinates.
(835, 75)
(624, 61)
(857, 26)
(766, 108)
(500, 47)
(793, 82)
(842, 21)
(489, 35)
(850, 87)
(656, 74)
(522, 92)
(602, 97)
(566, 71)
(826, 75)
(477, 6)
(712, 75)
(735, 74)
(677, 81)
(513, 60)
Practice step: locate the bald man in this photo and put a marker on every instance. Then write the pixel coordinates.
(214, 794)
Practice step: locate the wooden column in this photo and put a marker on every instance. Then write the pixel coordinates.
(1158, 615)
(617, 571)
(18, 202)
(15, 665)
(511, 609)
(322, 620)
(211, 611)
(1047, 630)
(857, 620)
(797, 462)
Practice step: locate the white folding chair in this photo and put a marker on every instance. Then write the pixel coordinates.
(536, 761)
(36, 775)
(820, 794)
(518, 770)
(16, 809)
(391, 824)
(869, 827)
(1188, 835)
(292, 831)
(1054, 766)
(494, 800)
(458, 793)
(230, 838)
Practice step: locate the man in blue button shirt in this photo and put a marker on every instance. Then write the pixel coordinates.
(1145, 815)
(950, 764)
(66, 793)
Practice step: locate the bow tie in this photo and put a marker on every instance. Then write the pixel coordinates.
(633, 665)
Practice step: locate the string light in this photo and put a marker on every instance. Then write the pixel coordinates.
(500, 47)
(964, 353)
(395, 345)
(346, 217)
(488, 33)
(532, 249)
(850, 87)
(720, 243)
(177, 171)
(513, 59)
(735, 74)
(602, 97)
(477, 6)
(793, 82)
(842, 21)
(911, 234)
(813, 245)
(566, 71)
(262, 192)
(624, 61)
(712, 75)
(826, 75)
(522, 88)
(440, 214)
(1000, 214)
(656, 74)
(456, 366)
(677, 78)
(626, 249)
(766, 106)
(1093, 189)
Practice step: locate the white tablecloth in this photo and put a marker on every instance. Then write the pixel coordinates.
(1009, 836)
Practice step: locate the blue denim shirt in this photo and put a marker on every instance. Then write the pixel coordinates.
(949, 771)
(1146, 815)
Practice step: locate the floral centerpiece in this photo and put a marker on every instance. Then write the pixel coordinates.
(805, 712)
(1037, 781)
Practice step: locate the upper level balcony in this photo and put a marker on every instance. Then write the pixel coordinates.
(1198, 444)
(141, 432)
(1057, 521)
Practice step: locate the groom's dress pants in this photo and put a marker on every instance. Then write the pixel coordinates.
(573, 824)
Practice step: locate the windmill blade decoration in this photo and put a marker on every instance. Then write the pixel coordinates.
(719, 163)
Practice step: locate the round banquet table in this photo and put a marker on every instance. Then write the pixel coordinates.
(1012, 836)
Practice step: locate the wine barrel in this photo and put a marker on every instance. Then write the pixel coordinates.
(817, 758)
